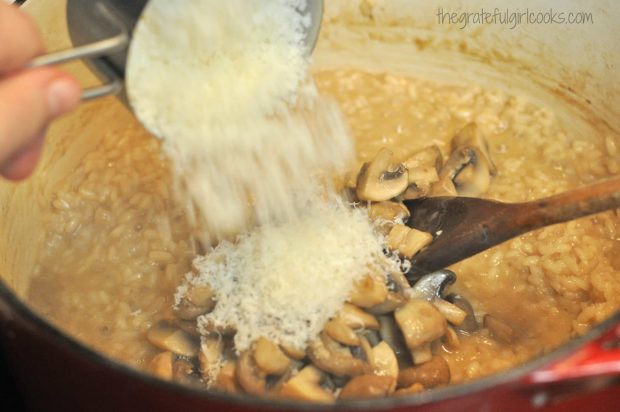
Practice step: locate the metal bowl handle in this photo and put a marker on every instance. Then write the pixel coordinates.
(112, 83)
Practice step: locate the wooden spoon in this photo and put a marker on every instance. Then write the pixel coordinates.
(463, 226)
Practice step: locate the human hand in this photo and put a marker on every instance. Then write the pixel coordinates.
(29, 98)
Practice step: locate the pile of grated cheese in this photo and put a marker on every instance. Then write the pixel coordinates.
(224, 83)
(285, 281)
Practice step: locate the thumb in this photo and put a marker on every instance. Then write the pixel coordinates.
(29, 101)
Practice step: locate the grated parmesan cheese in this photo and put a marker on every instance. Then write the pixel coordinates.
(285, 281)
(225, 84)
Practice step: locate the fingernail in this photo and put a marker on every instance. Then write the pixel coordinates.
(62, 95)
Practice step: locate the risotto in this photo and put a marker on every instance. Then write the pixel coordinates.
(117, 246)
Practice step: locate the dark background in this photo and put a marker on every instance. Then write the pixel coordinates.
(9, 397)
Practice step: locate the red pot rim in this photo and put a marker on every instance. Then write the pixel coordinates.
(509, 377)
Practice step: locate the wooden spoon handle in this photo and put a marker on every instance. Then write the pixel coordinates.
(570, 205)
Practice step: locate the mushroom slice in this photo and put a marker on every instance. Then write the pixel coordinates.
(408, 241)
(368, 291)
(443, 187)
(421, 180)
(422, 354)
(451, 312)
(367, 387)
(329, 356)
(341, 332)
(392, 302)
(410, 390)
(470, 136)
(270, 358)
(226, 378)
(183, 372)
(430, 374)
(356, 318)
(431, 285)
(499, 329)
(451, 340)
(384, 360)
(381, 180)
(251, 379)
(420, 323)
(470, 166)
(161, 365)
(391, 335)
(306, 386)
(168, 337)
(388, 212)
(291, 352)
(428, 157)
(470, 171)
(470, 324)
(200, 299)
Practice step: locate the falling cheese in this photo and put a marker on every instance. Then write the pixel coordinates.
(284, 282)
(225, 84)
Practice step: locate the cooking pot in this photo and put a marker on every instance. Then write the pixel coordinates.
(568, 67)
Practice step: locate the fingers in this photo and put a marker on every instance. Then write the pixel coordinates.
(23, 163)
(20, 40)
(29, 100)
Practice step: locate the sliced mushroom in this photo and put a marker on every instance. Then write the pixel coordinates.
(430, 374)
(451, 340)
(183, 372)
(292, 352)
(471, 136)
(306, 386)
(392, 302)
(500, 329)
(388, 212)
(422, 354)
(380, 180)
(384, 361)
(420, 323)
(166, 336)
(408, 241)
(161, 365)
(469, 167)
(421, 180)
(367, 387)
(356, 318)
(369, 291)
(410, 390)
(443, 187)
(470, 172)
(226, 378)
(431, 285)
(270, 358)
(428, 157)
(470, 324)
(451, 312)
(251, 379)
(341, 332)
(397, 282)
(391, 334)
(331, 357)
(200, 299)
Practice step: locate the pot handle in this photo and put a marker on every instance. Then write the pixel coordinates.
(592, 368)
(596, 359)
(112, 83)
